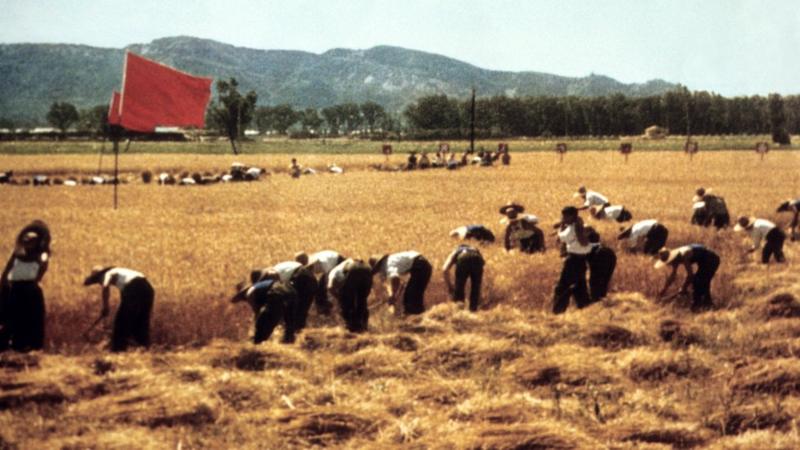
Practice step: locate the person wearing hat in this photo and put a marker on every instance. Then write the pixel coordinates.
(469, 266)
(591, 199)
(321, 263)
(763, 229)
(132, 320)
(716, 209)
(22, 308)
(647, 235)
(300, 277)
(351, 282)
(707, 264)
(602, 261)
(393, 266)
(521, 231)
(572, 281)
(792, 206)
(477, 232)
(272, 301)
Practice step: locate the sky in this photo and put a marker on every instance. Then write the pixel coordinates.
(732, 47)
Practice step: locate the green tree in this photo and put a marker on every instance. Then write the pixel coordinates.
(94, 120)
(232, 112)
(62, 115)
(434, 112)
(351, 115)
(310, 120)
(333, 117)
(283, 116)
(777, 119)
(373, 114)
(265, 121)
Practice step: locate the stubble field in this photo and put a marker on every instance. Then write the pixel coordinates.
(625, 373)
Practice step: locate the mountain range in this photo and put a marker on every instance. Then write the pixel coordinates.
(32, 76)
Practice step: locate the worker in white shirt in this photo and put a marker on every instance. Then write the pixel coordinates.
(616, 213)
(572, 281)
(351, 282)
(707, 264)
(716, 209)
(590, 199)
(602, 262)
(391, 267)
(272, 301)
(132, 320)
(477, 232)
(300, 277)
(792, 206)
(469, 266)
(649, 236)
(320, 264)
(22, 310)
(763, 229)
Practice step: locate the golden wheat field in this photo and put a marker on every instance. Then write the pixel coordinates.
(625, 373)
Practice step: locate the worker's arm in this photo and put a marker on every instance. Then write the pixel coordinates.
(756, 235)
(580, 233)
(448, 265)
(669, 281)
(394, 288)
(689, 276)
(43, 266)
(507, 239)
(105, 297)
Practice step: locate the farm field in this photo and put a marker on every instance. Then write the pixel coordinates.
(624, 373)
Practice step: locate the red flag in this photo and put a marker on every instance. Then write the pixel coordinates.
(113, 109)
(157, 95)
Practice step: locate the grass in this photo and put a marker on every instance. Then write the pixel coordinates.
(625, 373)
(357, 146)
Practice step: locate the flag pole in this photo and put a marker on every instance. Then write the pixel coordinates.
(115, 133)
(472, 123)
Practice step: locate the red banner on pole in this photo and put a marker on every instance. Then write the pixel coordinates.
(113, 109)
(157, 95)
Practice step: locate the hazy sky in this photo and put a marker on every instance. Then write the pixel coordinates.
(734, 47)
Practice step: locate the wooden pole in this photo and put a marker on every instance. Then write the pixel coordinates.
(116, 169)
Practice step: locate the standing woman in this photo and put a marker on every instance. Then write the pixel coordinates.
(22, 309)
(707, 264)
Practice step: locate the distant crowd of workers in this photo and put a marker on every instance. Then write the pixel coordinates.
(284, 293)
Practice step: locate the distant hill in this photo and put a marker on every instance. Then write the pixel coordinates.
(32, 76)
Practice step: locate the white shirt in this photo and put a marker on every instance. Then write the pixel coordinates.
(613, 211)
(120, 277)
(640, 230)
(337, 274)
(595, 199)
(254, 172)
(569, 237)
(460, 232)
(399, 264)
(759, 231)
(286, 269)
(324, 261)
(699, 205)
(25, 270)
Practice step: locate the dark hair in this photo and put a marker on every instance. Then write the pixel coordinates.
(42, 233)
(569, 211)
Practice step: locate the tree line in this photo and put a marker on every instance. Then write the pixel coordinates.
(680, 111)
(442, 117)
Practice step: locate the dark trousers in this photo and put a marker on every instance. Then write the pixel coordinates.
(305, 284)
(469, 267)
(353, 299)
(602, 262)
(414, 297)
(324, 305)
(279, 303)
(23, 315)
(721, 220)
(571, 282)
(533, 244)
(774, 246)
(701, 283)
(624, 216)
(133, 315)
(656, 239)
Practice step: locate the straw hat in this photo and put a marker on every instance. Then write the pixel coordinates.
(376, 261)
(98, 272)
(665, 257)
(511, 206)
(744, 223)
